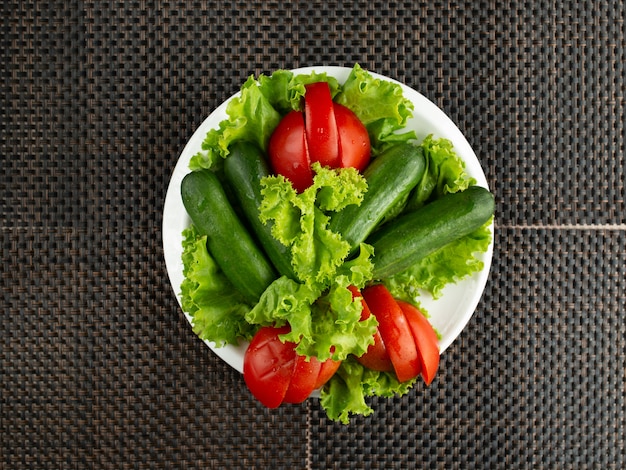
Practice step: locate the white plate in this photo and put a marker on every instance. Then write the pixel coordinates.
(449, 314)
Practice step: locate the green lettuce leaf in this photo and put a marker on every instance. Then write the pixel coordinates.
(252, 118)
(216, 308)
(324, 319)
(445, 173)
(323, 325)
(255, 112)
(301, 222)
(380, 105)
(447, 265)
(346, 392)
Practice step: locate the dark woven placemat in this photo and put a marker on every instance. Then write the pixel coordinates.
(98, 366)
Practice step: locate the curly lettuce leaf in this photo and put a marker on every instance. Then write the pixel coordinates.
(445, 173)
(380, 105)
(252, 118)
(324, 318)
(346, 392)
(301, 222)
(297, 87)
(447, 265)
(255, 112)
(216, 308)
(323, 325)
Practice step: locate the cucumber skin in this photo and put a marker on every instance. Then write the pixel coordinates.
(244, 168)
(228, 241)
(411, 237)
(390, 178)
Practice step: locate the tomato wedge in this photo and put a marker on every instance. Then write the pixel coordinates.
(275, 373)
(268, 366)
(376, 357)
(394, 330)
(327, 370)
(288, 151)
(425, 339)
(354, 141)
(303, 380)
(320, 125)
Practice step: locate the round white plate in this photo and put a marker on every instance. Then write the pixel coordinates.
(449, 314)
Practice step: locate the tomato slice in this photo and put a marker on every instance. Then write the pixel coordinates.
(321, 126)
(425, 339)
(354, 141)
(327, 370)
(395, 331)
(376, 356)
(288, 151)
(268, 365)
(303, 380)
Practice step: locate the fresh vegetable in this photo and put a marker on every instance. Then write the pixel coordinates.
(268, 365)
(415, 235)
(217, 309)
(288, 151)
(376, 356)
(313, 327)
(390, 178)
(425, 338)
(228, 241)
(317, 304)
(320, 125)
(394, 331)
(326, 133)
(244, 169)
(275, 373)
(444, 173)
(354, 141)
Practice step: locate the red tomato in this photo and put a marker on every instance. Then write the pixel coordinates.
(276, 374)
(268, 366)
(288, 151)
(327, 370)
(303, 380)
(376, 357)
(354, 141)
(395, 331)
(425, 339)
(326, 132)
(320, 125)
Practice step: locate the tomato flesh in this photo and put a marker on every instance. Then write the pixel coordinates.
(326, 132)
(320, 125)
(303, 380)
(354, 141)
(425, 339)
(327, 370)
(395, 331)
(376, 357)
(268, 366)
(288, 151)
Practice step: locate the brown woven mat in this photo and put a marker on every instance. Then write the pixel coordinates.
(98, 366)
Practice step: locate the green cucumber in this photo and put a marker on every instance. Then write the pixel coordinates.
(243, 168)
(228, 241)
(390, 178)
(413, 236)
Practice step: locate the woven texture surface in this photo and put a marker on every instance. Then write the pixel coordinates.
(98, 366)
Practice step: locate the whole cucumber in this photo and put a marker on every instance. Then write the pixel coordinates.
(411, 237)
(244, 168)
(228, 241)
(390, 178)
